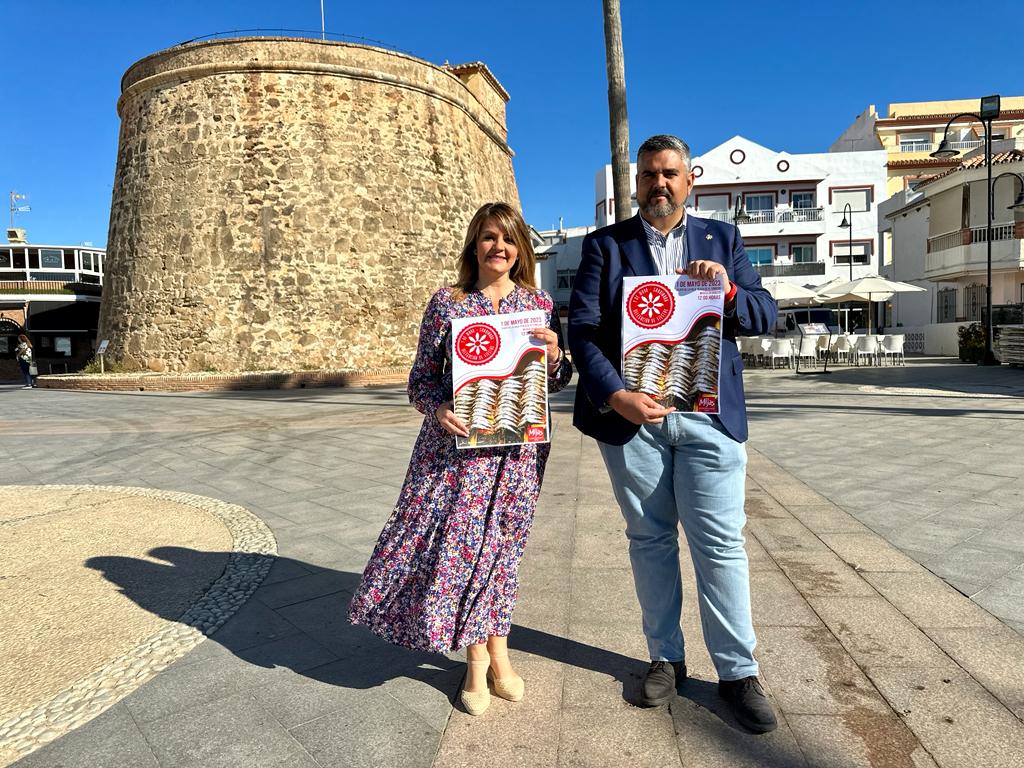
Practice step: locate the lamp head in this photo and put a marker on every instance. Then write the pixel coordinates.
(844, 224)
(1018, 203)
(741, 216)
(944, 151)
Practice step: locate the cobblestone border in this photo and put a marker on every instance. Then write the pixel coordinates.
(227, 381)
(253, 552)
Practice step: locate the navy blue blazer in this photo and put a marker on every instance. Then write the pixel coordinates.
(595, 319)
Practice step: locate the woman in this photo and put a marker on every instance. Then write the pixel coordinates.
(444, 573)
(23, 353)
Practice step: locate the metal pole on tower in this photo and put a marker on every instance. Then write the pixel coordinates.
(323, 31)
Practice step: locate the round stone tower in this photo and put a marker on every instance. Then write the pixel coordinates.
(292, 203)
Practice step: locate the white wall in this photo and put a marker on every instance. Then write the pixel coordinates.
(931, 339)
(860, 135)
(909, 229)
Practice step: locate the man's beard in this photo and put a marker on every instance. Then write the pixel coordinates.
(660, 210)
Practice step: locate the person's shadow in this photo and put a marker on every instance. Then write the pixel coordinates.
(361, 659)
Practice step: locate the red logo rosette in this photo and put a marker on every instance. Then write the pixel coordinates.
(477, 344)
(650, 305)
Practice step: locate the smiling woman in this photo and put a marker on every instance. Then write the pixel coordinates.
(444, 573)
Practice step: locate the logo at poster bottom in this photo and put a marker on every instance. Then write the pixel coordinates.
(477, 344)
(650, 305)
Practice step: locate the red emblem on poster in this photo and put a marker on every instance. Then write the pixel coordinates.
(650, 305)
(477, 344)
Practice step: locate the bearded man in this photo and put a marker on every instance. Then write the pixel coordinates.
(668, 467)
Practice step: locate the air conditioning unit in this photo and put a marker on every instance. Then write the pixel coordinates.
(16, 235)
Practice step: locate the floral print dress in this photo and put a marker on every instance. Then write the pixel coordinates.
(444, 572)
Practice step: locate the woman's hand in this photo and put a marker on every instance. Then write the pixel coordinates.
(450, 423)
(550, 340)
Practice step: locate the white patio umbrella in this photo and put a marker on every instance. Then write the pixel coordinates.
(782, 290)
(871, 288)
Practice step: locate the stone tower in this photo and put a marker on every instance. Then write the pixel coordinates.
(292, 203)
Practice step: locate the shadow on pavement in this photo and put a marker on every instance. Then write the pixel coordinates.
(297, 619)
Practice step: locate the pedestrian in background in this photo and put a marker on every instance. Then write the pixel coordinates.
(444, 573)
(23, 354)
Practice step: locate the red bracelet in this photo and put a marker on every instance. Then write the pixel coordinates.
(731, 294)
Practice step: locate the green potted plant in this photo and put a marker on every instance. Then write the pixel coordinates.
(971, 342)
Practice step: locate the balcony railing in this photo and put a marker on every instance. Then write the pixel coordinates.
(780, 215)
(927, 146)
(791, 270)
(1005, 231)
(51, 275)
(50, 286)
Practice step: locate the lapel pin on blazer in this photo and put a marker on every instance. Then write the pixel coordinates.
(707, 236)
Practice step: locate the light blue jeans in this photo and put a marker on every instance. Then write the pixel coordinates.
(687, 470)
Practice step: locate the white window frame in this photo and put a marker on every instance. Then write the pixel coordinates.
(842, 196)
(564, 279)
(770, 247)
(814, 255)
(813, 196)
(747, 197)
(50, 252)
(862, 252)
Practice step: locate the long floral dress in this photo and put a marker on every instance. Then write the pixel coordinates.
(444, 573)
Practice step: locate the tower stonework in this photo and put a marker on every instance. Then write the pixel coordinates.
(291, 203)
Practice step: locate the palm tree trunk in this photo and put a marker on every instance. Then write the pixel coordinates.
(618, 120)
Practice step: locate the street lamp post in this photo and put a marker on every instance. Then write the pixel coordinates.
(847, 224)
(988, 112)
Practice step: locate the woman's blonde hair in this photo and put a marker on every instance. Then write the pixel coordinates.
(515, 229)
(26, 339)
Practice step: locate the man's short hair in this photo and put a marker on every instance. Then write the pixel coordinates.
(664, 141)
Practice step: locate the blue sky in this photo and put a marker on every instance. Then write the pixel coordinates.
(789, 76)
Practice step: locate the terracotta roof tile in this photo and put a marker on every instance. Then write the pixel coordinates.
(978, 161)
(924, 162)
(1006, 114)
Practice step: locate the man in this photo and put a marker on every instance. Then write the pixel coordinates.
(668, 467)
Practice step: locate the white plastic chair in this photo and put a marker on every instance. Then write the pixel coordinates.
(867, 346)
(781, 348)
(892, 346)
(822, 347)
(808, 349)
(766, 349)
(750, 347)
(841, 348)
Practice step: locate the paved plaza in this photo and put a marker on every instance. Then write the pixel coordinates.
(886, 538)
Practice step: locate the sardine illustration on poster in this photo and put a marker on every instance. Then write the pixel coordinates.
(499, 378)
(672, 340)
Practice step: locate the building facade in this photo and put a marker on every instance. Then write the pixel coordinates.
(913, 130)
(938, 240)
(789, 207)
(51, 293)
(558, 256)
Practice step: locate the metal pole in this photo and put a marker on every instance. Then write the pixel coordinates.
(990, 358)
(323, 33)
(848, 210)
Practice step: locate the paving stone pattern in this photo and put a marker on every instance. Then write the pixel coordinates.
(870, 658)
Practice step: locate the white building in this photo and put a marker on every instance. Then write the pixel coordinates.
(795, 204)
(938, 240)
(558, 255)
